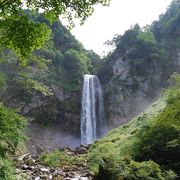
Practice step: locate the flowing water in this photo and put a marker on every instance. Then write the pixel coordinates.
(93, 122)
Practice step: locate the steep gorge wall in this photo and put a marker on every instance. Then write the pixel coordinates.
(136, 71)
(126, 95)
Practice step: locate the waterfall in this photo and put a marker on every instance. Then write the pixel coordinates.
(93, 123)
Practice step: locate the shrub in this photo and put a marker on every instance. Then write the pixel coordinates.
(161, 142)
(173, 93)
(53, 159)
(59, 159)
(128, 169)
(11, 130)
(7, 170)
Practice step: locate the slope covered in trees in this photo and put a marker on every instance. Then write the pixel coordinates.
(44, 87)
(140, 64)
(60, 65)
(128, 152)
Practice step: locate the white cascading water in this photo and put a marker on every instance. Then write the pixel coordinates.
(93, 123)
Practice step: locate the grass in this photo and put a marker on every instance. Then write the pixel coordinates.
(121, 142)
(59, 158)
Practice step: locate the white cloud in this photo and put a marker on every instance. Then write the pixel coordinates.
(115, 19)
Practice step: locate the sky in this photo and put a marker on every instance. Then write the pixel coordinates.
(115, 19)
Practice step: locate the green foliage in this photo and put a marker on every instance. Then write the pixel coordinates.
(122, 142)
(76, 64)
(123, 43)
(22, 79)
(79, 9)
(175, 81)
(63, 39)
(28, 85)
(60, 159)
(148, 50)
(105, 71)
(173, 94)
(161, 141)
(154, 135)
(147, 37)
(128, 169)
(47, 66)
(11, 130)
(71, 105)
(70, 87)
(68, 59)
(19, 33)
(44, 69)
(54, 159)
(140, 52)
(167, 29)
(11, 135)
(22, 35)
(2, 81)
(7, 169)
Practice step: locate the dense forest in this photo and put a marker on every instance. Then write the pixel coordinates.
(41, 74)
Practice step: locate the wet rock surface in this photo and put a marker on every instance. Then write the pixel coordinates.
(29, 167)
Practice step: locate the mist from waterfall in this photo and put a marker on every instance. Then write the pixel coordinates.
(93, 122)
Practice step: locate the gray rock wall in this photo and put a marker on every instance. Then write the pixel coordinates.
(127, 94)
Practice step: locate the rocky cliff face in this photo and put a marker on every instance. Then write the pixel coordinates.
(138, 68)
(55, 121)
(130, 90)
(126, 94)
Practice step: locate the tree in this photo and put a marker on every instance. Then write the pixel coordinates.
(11, 130)
(76, 63)
(128, 169)
(21, 81)
(70, 9)
(21, 34)
(160, 142)
(11, 134)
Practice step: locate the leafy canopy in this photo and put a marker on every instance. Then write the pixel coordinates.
(22, 35)
(52, 8)
(19, 33)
